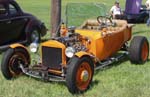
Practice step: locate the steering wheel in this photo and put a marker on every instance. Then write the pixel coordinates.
(104, 21)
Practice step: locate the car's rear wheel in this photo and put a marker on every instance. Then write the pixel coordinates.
(79, 74)
(34, 36)
(11, 61)
(139, 50)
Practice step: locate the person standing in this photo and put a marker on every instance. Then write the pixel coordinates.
(147, 3)
(148, 8)
(115, 11)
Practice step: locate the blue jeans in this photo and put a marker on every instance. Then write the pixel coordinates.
(148, 21)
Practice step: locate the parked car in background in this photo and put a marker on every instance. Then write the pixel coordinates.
(18, 26)
(135, 12)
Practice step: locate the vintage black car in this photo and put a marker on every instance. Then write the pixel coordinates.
(18, 26)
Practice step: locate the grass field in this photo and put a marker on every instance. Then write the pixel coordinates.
(121, 79)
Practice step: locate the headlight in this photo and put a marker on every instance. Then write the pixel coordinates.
(34, 47)
(70, 52)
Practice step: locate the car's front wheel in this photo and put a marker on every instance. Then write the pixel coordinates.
(11, 61)
(79, 74)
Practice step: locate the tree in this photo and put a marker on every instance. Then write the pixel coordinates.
(55, 16)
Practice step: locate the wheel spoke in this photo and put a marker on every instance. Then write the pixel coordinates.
(14, 63)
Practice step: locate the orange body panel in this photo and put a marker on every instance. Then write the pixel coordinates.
(17, 45)
(81, 53)
(100, 43)
(104, 46)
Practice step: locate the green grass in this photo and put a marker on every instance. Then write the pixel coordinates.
(121, 79)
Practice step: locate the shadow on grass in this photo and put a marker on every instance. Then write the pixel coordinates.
(148, 60)
(112, 65)
(63, 83)
(118, 63)
(94, 83)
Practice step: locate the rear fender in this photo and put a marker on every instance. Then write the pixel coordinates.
(34, 24)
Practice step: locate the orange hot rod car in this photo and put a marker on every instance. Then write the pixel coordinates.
(75, 55)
